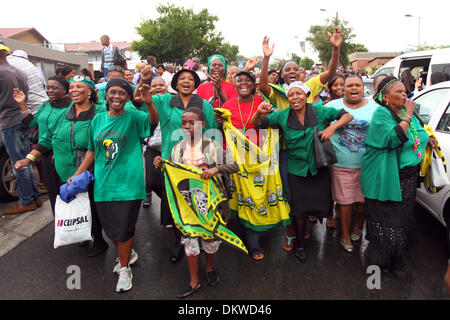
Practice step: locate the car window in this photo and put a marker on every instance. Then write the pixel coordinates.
(388, 71)
(444, 124)
(428, 102)
(368, 89)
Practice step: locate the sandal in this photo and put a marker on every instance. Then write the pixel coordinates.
(345, 246)
(288, 243)
(312, 219)
(331, 223)
(356, 235)
(258, 256)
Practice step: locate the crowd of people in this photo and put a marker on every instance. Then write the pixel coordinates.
(108, 127)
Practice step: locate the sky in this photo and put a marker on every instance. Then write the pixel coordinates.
(380, 25)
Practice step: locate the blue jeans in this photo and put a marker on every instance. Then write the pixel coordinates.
(17, 144)
(105, 73)
(252, 241)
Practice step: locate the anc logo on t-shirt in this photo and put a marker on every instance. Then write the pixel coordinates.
(111, 141)
(111, 147)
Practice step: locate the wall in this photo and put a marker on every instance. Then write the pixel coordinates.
(47, 59)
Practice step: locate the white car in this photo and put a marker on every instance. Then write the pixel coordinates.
(433, 107)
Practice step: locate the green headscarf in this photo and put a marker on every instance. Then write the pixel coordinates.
(86, 81)
(224, 62)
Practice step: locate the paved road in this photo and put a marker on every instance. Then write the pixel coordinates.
(34, 270)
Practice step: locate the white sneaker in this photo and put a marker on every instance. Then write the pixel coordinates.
(125, 277)
(133, 259)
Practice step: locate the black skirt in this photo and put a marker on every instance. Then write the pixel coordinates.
(391, 224)
(118, 218)
(311, 195)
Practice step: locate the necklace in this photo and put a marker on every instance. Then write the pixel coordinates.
(249, 116)
(414, 135)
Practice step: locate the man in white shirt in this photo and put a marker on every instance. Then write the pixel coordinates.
(167, 77)
(37, 94)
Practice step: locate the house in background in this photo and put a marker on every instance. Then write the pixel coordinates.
(365, 60)
(94, 50)
(39, 50)
(27, 35)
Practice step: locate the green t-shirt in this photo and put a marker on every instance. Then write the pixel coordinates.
(388, 149)
(299, 138)
(46, 113)
(72, 133)
(116, 141)
(170, 110)
(47, 119)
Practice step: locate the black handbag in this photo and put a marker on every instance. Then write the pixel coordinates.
(323, 151)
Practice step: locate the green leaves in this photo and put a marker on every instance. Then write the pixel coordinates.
(179, 33)
(321, 43)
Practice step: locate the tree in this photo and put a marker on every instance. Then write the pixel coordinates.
(179, 33)
(426, 46)
(320, 41)
(307, 63)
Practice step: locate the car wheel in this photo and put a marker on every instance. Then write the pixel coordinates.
(8, 182)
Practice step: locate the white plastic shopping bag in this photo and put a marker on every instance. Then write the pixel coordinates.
(438, 176)
(72, 220)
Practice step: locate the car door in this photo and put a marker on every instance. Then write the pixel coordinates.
(433, 107)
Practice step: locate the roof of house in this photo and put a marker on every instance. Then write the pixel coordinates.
(93, 46)
(12, 32)
(372, 55)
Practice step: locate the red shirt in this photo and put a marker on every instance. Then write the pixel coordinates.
(247, 114)
(206, 91)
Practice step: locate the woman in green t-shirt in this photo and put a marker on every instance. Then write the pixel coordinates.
(167, 109)
(395, 145)
(276, 94)
(66, 135)
(312, 196)
(115, 149)
(49, 111)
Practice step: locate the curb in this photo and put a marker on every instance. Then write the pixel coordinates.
(23, 227)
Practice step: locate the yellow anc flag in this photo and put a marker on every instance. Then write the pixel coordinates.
(194, 203)
(258, 200)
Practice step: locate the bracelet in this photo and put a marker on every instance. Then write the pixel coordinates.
(31, 157)
(408, 122)
(25, 112)
(408, 116)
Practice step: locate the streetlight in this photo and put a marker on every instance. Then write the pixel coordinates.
(418, 37)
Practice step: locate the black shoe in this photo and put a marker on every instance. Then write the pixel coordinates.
(212, 278)
(146, 204)
(177, 253)
(300, 254)
(84, 244)
(97, 248)
(188, 291)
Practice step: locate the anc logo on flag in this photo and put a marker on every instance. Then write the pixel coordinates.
(195, 204)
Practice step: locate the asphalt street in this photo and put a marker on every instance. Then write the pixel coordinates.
(35, 270)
